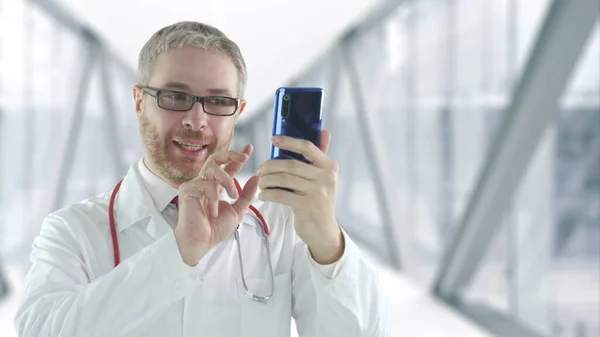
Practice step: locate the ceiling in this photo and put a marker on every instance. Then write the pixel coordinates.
(278, 38)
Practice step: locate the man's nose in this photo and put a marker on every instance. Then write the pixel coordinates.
(195, 118)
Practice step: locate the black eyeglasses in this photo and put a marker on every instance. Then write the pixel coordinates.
(179, 101)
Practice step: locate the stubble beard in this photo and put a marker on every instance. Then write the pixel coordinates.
(156, 148)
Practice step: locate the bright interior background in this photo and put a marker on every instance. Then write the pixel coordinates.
(433, 78)
(279, 39)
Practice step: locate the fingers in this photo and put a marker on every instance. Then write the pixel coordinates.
(196, 191)
(284, 180)
(309, 150)
(207, 186)
(282, 197)
(218, 175)
(247, 196)
(300, 184)
(223, 176)
(225, 157)
(201, 190)
(234, 167)
(218, 179)
(290, 166)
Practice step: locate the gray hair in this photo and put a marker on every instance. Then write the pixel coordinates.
(194, 34)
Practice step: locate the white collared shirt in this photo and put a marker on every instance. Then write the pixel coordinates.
(74, 289)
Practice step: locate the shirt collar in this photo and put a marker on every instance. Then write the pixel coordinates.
(142, 195)
(161, 192)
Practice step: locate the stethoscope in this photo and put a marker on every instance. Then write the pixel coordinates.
(257, 216)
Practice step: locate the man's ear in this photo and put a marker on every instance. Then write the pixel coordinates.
(138, 95)
(242, 107)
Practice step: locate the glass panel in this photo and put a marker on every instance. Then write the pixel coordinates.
(357, 204)
(120, 86)
(437, 77)
(493, 279)
(91, 149)
(544, 267)
(39, 85)
(262, 136)
(12, 136)
(37, 101)
(528, 17)
(574, 270)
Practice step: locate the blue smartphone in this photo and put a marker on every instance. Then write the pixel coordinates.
(298, 114)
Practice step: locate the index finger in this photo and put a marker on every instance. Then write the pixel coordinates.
(225, 157)
(306, 148)
(234, 167)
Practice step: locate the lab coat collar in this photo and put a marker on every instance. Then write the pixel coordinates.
(134, 201)
(161, 192)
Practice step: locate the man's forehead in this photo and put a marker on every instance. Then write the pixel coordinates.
(193, 56)
(195, 73)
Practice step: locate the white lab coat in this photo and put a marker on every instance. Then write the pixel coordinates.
(74, 290)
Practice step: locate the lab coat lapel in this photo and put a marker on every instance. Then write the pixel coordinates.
(134, 204)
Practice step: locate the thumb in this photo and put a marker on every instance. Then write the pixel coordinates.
(325, 140)
(246, 197)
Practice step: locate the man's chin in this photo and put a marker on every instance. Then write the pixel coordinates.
(185, 174)
(179, 172)
(183, 168)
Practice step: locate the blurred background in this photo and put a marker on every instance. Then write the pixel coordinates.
(467, 132)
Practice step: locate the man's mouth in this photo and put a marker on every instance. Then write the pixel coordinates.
(191, 147)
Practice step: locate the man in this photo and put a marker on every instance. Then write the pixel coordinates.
(173, 266)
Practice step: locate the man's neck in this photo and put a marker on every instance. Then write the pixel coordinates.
(149, 164)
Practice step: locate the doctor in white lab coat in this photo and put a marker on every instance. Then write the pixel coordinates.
(176, 212)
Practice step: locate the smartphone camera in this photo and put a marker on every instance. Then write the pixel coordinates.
(286, 106)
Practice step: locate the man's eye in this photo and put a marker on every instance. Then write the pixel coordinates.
(216, 100)
(179, 97)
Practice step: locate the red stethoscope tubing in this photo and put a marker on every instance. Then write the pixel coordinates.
(113, 226)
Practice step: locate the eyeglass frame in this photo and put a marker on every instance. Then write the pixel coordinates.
(195, 99)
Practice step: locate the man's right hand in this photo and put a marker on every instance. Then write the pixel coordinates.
(204, 220)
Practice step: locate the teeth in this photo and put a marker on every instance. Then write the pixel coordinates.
(190, 146)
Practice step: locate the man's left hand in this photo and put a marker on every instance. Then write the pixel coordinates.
(313, 197)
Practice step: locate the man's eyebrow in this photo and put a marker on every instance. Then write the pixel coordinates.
(185, 87)
(176, 85)
(217, 91)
